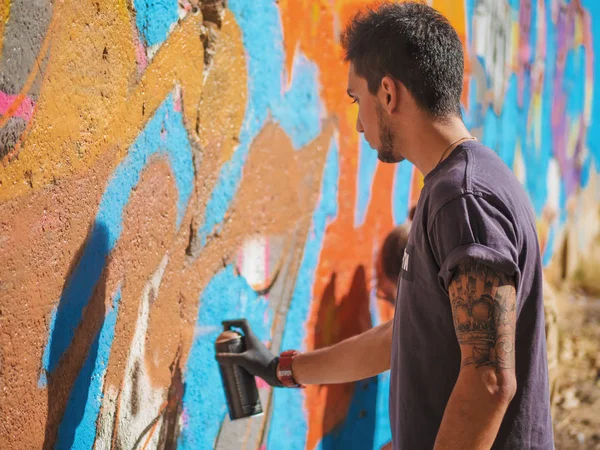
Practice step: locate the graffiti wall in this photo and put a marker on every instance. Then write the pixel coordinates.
(169, 164)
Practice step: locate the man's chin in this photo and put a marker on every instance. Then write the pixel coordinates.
(389, 158)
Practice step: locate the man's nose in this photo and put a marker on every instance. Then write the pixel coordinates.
(359, 126)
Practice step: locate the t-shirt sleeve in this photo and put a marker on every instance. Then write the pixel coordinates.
(471, 227)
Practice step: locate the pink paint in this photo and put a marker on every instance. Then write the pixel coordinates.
(261, 384)
(25, 109)
(524, 51)
(140, 52)
(267, 274)
(240, 260)
(570, 166)
(187, 7)
(184, 417)
(177, 105)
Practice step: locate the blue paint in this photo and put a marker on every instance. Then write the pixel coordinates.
(547, 256)
(298, 111)
(546, 151)
(574, 81)
(470, 7)
(43, 378)
(382, 432)
(76, 295)
(165, 136)
(533, 31)
(490, 126)
(78, 428)
(472, 115)
(367, 165)
(357, 431)
(383, 428)
(154, 19)
(509, 124)
(593, 7)
(227, 296)
(527, 138)
(401, 198)
(288, 422)
(586, 170)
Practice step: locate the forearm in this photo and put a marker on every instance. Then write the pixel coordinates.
(356, 358)
(475, 410)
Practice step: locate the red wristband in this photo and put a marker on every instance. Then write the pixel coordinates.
(284, 369)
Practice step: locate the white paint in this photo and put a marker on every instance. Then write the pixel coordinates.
(204, 330)
(519, 165)
(553, 182)
(492, 42)
(106, 419)
(150, 398)
(253, 262)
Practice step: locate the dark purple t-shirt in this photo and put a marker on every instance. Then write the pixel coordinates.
(471, 206)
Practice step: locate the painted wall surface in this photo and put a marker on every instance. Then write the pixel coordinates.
(166, 165)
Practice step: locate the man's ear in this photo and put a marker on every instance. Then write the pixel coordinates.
(389, 94)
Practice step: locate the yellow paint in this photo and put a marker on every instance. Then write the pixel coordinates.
(578, 38)
(515, 42)
(223, 103)
(316, 14)
(456, 13)
(4, 15)
(573, 137)
(536, 113)
(589, 97)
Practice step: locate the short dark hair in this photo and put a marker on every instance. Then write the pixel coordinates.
(392, 251)
(414, 44)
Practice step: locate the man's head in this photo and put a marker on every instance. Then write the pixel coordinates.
(406, 64)
(389, 263)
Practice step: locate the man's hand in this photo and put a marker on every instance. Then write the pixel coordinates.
(356, 358)
(257, 359)
(483, 304)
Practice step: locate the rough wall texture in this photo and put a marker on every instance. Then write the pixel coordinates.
(166, 165)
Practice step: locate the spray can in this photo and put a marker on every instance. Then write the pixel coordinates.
(240, 386)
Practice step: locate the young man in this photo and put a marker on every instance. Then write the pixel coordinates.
(467, 346)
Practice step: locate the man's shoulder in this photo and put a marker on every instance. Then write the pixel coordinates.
(475, 171)
(449, 182)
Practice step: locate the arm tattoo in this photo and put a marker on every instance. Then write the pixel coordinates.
(483, 305)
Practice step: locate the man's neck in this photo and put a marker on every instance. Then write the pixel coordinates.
(434, 141)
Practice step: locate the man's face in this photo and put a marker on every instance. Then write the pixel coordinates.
(372, 120)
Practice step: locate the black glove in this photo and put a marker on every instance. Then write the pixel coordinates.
(257, 359)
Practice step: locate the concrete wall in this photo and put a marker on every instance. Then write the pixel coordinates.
(166, 166)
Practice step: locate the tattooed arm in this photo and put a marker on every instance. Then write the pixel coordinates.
(483, 305)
